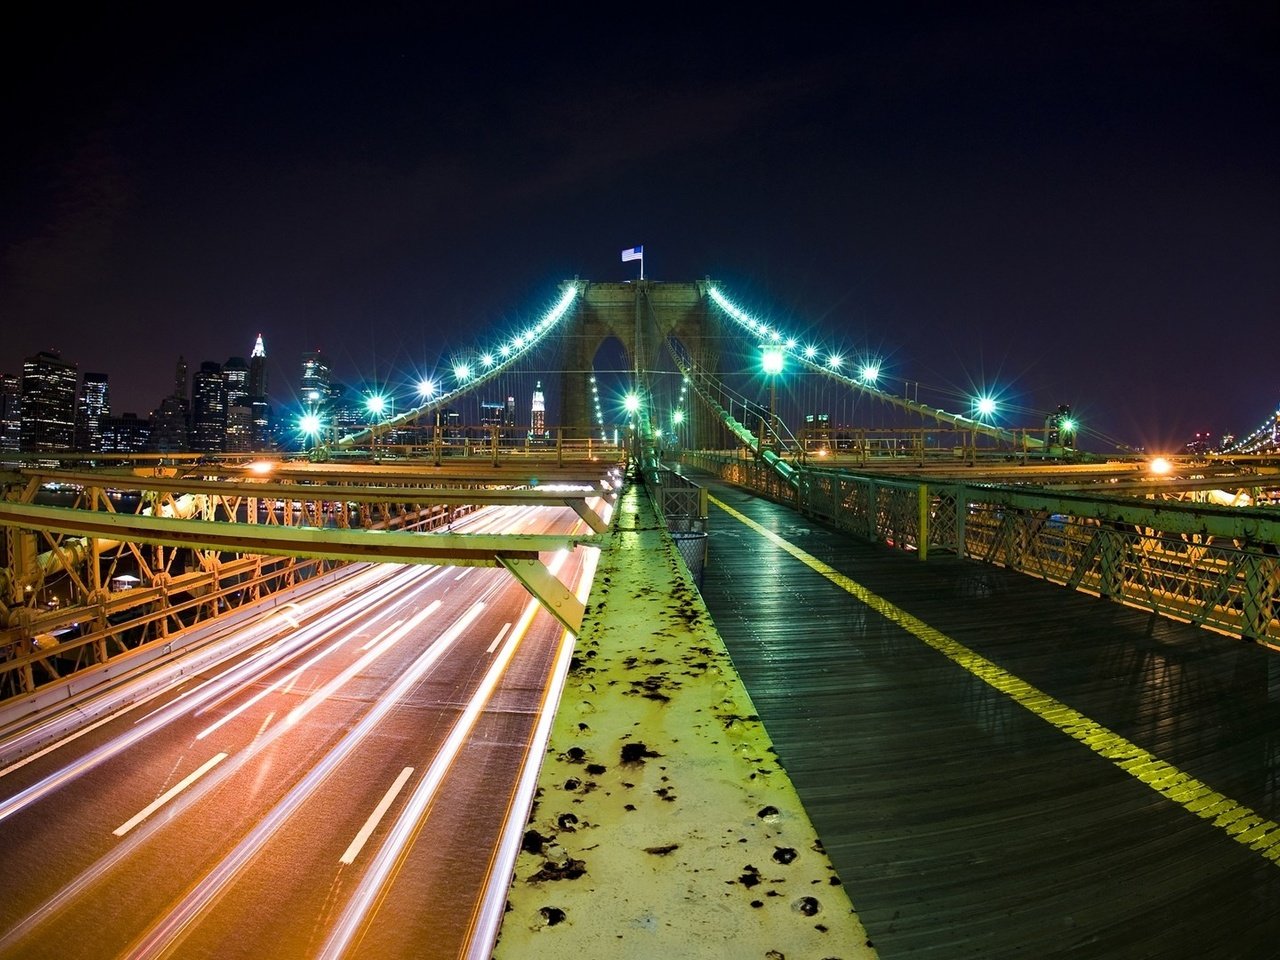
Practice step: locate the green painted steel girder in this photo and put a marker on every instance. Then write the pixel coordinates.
(456, 549)
(1236, 523)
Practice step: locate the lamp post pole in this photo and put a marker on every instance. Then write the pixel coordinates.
(772, 362)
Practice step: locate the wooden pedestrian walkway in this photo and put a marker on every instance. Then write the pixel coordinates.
(999, 767)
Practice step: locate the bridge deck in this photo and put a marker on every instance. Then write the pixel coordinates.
(1022, 771)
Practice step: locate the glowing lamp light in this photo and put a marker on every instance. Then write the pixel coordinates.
(505, 350)
(1068, 426)
(986, 406)
(772, 362)
(1160, 466)
(870, 373)
(810, 352)
(791, 343)
(309, 424)
(261, 467)
(835, 361)
(376, 405)
(678, 417)
(427, 389)
(487, 360)
(631, 403)
(461, 372)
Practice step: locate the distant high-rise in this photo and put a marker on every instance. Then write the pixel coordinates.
(126, 434)
(10, 414)
(258, 369)
(169, 427)
(492, 413)
(180, 381)
(239, 415)
(93, 407)
(509, 418)
(208, 409)
(316, 382)
(538, 413)
(259, 403)
(48, 403)
(235, 381)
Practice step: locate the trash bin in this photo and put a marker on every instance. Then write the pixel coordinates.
(692, 545)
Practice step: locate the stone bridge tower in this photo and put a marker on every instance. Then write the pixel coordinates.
(642, 315)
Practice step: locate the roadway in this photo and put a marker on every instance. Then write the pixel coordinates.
(348, 784)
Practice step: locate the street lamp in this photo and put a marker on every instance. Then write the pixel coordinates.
(310, 426)
(376, 405)
(771, 363)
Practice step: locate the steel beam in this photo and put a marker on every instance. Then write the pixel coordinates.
(316, 542)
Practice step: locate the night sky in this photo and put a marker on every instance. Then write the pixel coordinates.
(1072, 203)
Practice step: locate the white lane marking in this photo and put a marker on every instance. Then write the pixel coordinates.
(379, 811)
(168, 795)
(498, 639)
(465, 571)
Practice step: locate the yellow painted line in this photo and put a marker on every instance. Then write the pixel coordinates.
(1237, 821)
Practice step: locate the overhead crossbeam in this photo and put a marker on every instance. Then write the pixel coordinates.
(575, 498)
(325, 543)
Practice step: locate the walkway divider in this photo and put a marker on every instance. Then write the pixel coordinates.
(663, 824)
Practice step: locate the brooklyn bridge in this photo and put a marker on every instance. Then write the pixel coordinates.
(745, 650)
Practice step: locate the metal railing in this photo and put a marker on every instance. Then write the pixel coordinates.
(1217, 567)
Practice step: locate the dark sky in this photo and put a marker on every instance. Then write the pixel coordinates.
(1066, 202)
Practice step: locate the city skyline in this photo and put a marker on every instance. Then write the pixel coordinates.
(1075, 205)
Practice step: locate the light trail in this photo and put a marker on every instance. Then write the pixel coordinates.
(167, 932)
(123, 700)
(400, 838)
(289, 678)
(361, 906)
(233, 679)
(338, 682)
(487, 918)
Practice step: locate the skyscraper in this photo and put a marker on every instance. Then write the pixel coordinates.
(258, 369)
(239, 415)
(48, 402)
(208, 409)
(180, 381)
(10, 414)
(538, 413)
(93, 407)
(259, 404)
(316, 382)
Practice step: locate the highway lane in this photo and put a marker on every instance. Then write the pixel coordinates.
(263, 792)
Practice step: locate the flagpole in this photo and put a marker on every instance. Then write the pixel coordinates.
(641, 264)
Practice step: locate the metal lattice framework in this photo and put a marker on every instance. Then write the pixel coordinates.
(135, 558)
